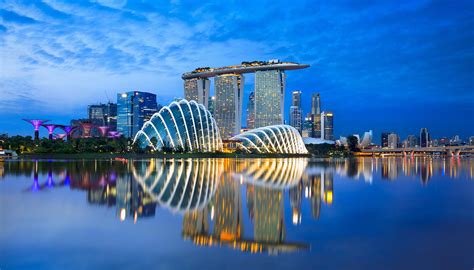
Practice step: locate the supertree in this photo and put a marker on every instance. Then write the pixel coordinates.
(103, 130)
(36, 125)
(68, 130)
(50, 128)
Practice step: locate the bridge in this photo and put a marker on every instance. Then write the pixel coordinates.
(450, 151)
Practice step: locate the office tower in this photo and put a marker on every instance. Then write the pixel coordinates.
(296, 99)
(103, 115)
(251, 111)
(133, 110)
(412, 141)
(212, 104)
(327, 126)
(393, 140)
(471, 140)
(296, 113)
(269, 97)
(229, 89)
(384, 139)
(197, 89)
(424, 138)
(307, 130)
(315, 104)
(296, 118)
(316, 115)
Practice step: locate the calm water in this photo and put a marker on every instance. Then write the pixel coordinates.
(384, 213)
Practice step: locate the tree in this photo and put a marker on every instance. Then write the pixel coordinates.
(352, 143)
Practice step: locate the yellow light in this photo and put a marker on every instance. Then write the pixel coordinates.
(329, 197)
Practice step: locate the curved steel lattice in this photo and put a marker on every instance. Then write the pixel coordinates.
(272, 139)
(273, 173)
(181, 125)
(180, 185)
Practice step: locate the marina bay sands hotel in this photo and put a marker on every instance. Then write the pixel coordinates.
(269, 93)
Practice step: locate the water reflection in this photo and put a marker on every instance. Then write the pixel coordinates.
(215, 196)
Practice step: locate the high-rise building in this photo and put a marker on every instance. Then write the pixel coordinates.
(296, 113)
(393, 140)
(296, 118)
(424, 138)
(133, 110)
(384, 139)
(212, 104)
(103, 115)
(307, 130)
(197, 89)
(316, 115)
(412, 141)
(269, 97)
(471, 140)
(251, 111)
(327, 126)
(229, 89)
(315, 104)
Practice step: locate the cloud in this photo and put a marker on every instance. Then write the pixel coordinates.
(382, 50)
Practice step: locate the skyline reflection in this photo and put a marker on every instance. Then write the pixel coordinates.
(215, 196)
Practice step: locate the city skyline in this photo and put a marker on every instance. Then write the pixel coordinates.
(391, 84)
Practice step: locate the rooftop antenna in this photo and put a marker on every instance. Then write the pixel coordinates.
(108, 99)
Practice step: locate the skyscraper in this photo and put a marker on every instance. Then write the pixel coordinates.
(424, 138)
(327, 126)
(197, 89)
(229, 89)
(384, 139)
(316, 115)
(103, 115)
(296, 113)
(212, 104)
(251, 111)
(393, 140)
(133, 110)
(269, 97)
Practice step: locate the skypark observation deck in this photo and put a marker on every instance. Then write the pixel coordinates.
(245, 67)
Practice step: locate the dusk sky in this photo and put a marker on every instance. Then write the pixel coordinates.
(380, 65)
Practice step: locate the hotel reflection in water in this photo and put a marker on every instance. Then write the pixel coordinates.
(212, 194)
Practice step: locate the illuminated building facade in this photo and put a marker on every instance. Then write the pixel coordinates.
(424, 138)
(296, 113)
(393, 140)
(251, 111)
(229, 90)
(103, 115)
(197, 89)
(269, 97)
(271, 139)
(327, 126)
(185, 126)
(133, 110)
(316, 115)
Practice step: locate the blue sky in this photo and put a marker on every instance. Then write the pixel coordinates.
(381, 65)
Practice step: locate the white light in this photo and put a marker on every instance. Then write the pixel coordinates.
(124, 95)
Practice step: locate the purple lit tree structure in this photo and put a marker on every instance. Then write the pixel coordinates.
(68, 130)
(36, 124)
(60, 136)
(50, 128)
(86, 129)
(114, 134)
(103, 130)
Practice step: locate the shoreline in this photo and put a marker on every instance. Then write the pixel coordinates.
(155, 155)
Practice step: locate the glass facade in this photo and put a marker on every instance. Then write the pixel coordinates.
(197, 89)
(251, 111)
(229, 91)
(133, 110)
(327, 126)
(269, 97)
(296, 118)
(103, 115)
(183, 125)
(272, 139)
